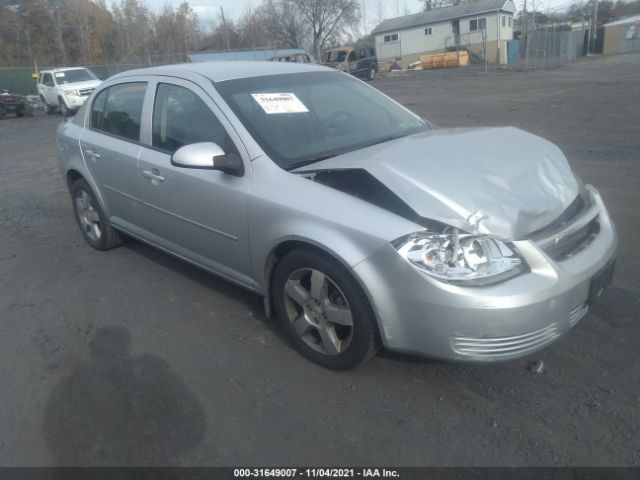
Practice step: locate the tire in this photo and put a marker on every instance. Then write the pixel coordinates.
(372, 73)
(19, 113)
(93, 223)
(335, 328)
(50, 110)
(66, 111)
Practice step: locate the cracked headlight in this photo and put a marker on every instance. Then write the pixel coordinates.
(460, 258)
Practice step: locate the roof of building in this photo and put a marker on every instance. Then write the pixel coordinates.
(221, 71)
(622, 21)
(445, 13)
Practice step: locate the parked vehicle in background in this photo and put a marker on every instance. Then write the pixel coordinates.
(66, 88)
(292, 57)
(342, 208)
(11, 102)
(359, 61)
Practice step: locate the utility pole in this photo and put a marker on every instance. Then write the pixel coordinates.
(364, 16)
(525, 26)
(224, 26)
(594, 24)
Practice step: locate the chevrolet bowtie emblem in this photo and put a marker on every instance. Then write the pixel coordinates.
(559, 238)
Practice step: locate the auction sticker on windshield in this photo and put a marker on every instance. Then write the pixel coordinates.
(279, 103)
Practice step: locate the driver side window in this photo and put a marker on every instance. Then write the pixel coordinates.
(180, 117)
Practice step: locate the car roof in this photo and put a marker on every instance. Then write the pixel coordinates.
(64, 69)
(221, 71)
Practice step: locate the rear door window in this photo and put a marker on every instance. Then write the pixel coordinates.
(117, 110)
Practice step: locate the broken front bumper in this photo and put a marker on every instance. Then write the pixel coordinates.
(420, 315)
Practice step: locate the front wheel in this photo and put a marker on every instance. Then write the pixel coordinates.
(66, 111)
(93, 223)
(323, 310)
(372, 73)
(50, 110)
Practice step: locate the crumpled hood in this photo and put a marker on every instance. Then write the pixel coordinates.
(499, 181)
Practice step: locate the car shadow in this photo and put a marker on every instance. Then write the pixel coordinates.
(252, 301)
(121, 410)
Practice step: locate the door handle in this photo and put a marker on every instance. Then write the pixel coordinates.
(92, 153)
(152, 175)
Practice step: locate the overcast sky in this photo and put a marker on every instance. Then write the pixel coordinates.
(209, 10)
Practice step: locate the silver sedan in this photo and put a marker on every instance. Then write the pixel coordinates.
(362, 225)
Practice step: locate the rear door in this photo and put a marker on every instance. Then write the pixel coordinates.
(199, 214)
(110, 146)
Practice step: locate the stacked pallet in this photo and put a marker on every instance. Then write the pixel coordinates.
(444, 60)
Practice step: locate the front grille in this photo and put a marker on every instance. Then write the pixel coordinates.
(581, 203)
(570, 245)
(504, 346)
(571, 232)
(85, 91)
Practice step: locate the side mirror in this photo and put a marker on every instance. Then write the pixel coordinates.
(208, 155)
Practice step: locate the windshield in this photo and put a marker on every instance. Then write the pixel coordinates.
(74, 76)
(305, 117)
(335, 56)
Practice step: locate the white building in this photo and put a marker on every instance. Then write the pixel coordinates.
(467, 26)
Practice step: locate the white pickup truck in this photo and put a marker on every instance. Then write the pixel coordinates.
(66, 88)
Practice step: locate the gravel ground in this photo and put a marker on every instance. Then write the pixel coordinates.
(133, 357)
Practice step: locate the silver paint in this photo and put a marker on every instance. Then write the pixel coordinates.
(502, 182)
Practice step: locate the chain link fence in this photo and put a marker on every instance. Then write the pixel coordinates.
(550, 48)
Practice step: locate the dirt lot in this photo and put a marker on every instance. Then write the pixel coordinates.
(160, 363)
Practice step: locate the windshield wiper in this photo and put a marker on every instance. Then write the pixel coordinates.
(319, 158)
(385, 139)
(309, 161)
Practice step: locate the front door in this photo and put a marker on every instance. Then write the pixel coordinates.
(455, 30)
(199, 214)
(48, 89)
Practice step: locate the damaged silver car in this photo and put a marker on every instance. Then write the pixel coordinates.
(361, 225)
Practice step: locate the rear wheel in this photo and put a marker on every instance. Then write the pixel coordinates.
(372, 73)
(323, 310)
(93, 223)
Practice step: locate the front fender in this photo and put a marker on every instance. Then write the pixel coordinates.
(288, 207)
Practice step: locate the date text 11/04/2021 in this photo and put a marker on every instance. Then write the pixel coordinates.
(315, 472)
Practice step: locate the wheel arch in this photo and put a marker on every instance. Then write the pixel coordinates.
(72, 176)
(284, 247)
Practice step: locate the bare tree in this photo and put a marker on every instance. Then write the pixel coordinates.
(327, 18)
(381, 13)
(251, 29)
(283, 23)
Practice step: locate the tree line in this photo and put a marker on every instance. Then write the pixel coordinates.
(88, 32)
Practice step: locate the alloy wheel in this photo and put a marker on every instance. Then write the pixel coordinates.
(88, 216)
(319, 311)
